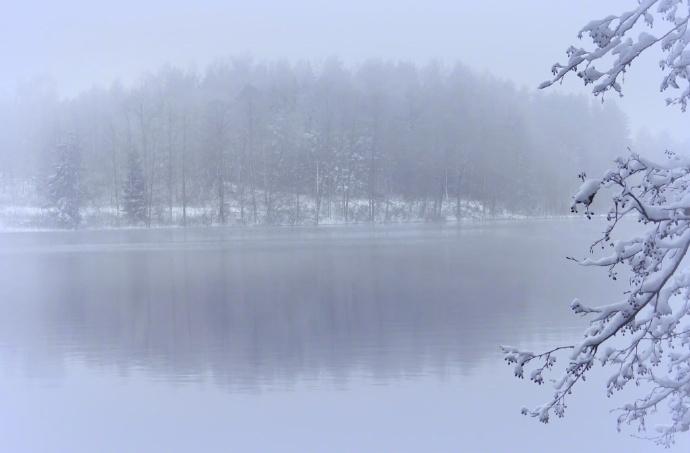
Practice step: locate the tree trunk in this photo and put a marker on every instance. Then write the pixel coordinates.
(317, 197)
(170, 169)
(457, 198)
(183, 162)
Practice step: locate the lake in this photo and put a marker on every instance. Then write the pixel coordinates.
(357, 338)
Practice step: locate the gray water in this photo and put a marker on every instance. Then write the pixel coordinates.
(380, 339)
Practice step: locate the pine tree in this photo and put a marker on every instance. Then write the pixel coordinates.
(64, 192)
(134, 202)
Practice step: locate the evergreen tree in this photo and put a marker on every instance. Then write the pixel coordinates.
(64, 185)
(134, 202)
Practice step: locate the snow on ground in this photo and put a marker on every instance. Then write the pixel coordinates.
(395, 211)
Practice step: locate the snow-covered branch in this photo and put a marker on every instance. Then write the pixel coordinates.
(644, 338)
(613, 37)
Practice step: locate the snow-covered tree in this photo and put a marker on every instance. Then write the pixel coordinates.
(134, 192)
(645, 337)
(270, 141)
(64, 185)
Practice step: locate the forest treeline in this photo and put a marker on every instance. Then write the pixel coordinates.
(276, 142)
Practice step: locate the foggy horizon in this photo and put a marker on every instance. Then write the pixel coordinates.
(79, 46)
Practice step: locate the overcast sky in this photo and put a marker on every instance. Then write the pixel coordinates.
(79, 43)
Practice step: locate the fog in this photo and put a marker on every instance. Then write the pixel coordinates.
(79, 43)
(246, 142)
(309, 111)
(329, 226)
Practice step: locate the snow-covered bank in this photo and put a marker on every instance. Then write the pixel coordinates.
(32, 218)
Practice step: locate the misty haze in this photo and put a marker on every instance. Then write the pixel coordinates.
(366, 227)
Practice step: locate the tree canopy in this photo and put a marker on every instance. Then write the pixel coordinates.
(279, 142)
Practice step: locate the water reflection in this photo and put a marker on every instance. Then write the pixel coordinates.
(269, 307)
(329, 339)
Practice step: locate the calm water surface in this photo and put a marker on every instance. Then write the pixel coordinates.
(377, 339)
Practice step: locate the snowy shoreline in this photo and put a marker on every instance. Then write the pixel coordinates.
(30, 224)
